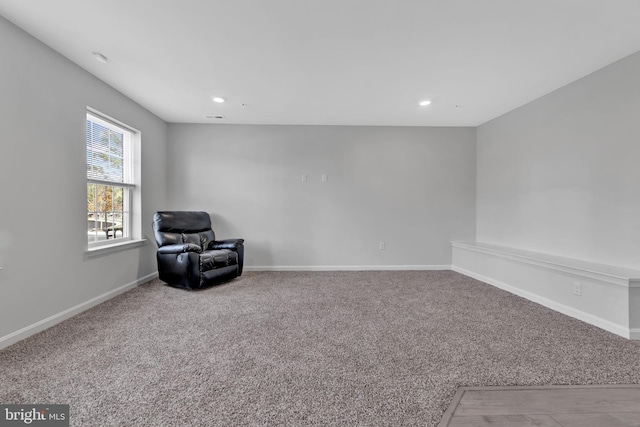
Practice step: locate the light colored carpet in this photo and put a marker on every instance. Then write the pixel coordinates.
(305, 348)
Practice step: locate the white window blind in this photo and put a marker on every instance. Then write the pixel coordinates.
(108, 152)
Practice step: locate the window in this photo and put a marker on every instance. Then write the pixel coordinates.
(110, 181)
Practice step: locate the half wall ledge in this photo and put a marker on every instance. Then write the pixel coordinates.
(603, 295)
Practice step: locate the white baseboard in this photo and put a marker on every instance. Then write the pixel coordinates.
(605, 296)
(50, 321)
(344, 267)
(564, 309)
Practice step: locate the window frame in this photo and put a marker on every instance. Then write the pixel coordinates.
(130, 186)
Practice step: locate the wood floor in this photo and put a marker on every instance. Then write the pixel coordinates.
(552, 406)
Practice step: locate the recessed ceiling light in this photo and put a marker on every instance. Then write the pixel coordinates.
(218, 99)
(424, 103)
(100, 57)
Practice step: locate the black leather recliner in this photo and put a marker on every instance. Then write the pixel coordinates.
(189, 256)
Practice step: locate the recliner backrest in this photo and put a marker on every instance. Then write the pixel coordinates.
(176, 227)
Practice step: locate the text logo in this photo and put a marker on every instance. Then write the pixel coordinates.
(34, 415)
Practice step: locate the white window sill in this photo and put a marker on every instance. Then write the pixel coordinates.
(97, 251)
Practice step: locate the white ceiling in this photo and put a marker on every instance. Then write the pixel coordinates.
(347, 62)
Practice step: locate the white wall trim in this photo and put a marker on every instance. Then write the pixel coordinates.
(569, 311)
(607, 296)
(50, 321)
(106, 249)
(345, 267)
(620, 276)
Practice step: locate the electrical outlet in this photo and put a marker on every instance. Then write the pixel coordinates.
(325, 178)
(577, 288)
(382, 246)
(304, 178)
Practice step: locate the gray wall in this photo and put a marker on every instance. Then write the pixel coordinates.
(43, 99)
(411, 187)
(560, 175)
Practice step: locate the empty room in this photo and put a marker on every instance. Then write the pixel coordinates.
(298, 212)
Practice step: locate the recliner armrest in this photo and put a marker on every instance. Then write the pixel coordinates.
(180, 248)
(226, 244)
